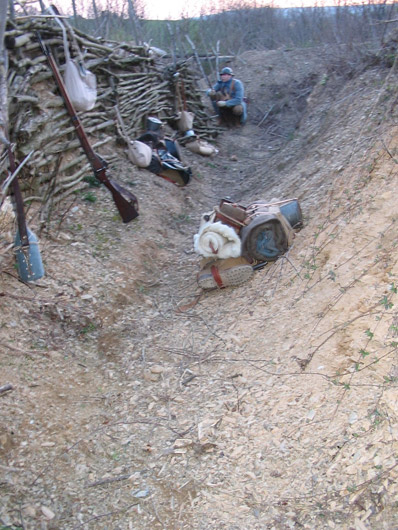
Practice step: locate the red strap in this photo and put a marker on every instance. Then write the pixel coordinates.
(215, 251)
(216, 276)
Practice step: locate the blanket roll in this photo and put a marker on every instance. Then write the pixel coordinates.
(267, 237)
(217, 240)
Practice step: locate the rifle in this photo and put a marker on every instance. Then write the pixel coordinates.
(125, 201)
(23, 234)
(30, 265)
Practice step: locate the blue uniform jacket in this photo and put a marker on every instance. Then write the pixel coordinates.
(236, 93)
(234, 89)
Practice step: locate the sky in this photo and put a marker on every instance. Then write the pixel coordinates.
(175, 9)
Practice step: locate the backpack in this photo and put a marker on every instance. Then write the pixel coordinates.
(163, 163)
(139, 153)
(80, 83)
(201, 147)
(265, 229)
(185, 121)
(172, 169)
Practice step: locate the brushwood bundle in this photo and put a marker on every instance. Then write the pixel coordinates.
(130, 77)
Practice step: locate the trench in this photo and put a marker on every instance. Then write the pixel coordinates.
(133, 413)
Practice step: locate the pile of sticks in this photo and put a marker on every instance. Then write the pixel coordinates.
(128, 76)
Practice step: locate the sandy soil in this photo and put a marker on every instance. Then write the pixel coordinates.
(272, 405)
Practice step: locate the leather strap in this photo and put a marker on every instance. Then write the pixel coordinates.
(226, 91)
(228, 220)
(255, 207)
(215, 251)
(185, 307)
(216, 275)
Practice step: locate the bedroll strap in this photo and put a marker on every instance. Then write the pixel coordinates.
(216, 275)
(228, 220)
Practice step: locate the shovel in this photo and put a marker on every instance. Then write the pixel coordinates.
(26, 245)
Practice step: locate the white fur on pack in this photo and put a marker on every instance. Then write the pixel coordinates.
(217, 240)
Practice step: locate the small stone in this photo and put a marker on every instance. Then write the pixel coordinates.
(48, 514)
(30, 511)
(6, 442)
(157, 369)
(182, 442)
(353, 418)
(149, 376)
(139, 494)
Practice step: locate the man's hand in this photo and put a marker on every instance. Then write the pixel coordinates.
(221, 103)
(210, 92)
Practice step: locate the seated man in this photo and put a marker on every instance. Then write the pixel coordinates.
(228, 95)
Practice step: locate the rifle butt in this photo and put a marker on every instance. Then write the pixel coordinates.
(125, 201)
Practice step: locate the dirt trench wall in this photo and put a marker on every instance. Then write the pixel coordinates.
(267, 405)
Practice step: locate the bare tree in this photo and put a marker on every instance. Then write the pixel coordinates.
(240, 25)
(3, 74)
(74, 10)
(135, 23)
(96, 17)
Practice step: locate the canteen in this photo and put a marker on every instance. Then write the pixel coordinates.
(30, 265)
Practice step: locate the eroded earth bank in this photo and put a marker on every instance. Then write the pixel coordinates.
(269, 405)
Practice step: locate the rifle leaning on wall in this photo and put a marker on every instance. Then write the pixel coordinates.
(30, 265)
(125, 201)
